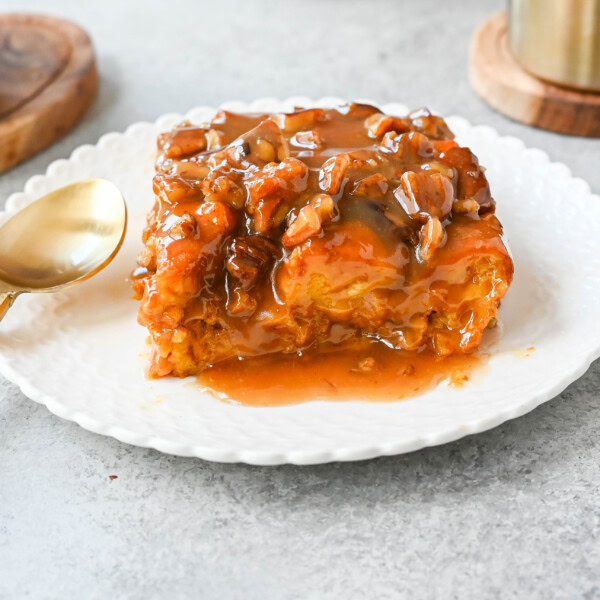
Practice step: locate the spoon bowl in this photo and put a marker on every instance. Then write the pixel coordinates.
(60, 239)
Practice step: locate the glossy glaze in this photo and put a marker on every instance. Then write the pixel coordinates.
(297, 231)
(370, 372)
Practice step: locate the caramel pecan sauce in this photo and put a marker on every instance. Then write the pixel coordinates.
(365, 371)
(289, 232)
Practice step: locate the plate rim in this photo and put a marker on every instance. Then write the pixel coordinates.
(297, 457)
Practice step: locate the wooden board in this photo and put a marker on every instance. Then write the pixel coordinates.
(48, 80)
(499, 79)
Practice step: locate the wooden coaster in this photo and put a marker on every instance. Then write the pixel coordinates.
(499, 79)
(48, 80)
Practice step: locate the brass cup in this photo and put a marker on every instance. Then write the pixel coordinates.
(557, 40)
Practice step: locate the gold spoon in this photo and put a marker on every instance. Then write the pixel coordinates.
(60, 239)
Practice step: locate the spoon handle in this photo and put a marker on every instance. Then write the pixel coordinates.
(6, 301)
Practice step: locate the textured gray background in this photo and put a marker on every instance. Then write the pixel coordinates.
(512, 513)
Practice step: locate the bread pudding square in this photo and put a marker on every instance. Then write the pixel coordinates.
(279, 233)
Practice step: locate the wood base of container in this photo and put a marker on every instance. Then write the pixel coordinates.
(48, 80)
(501, 81)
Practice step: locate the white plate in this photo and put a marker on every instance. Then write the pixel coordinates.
(80, 352)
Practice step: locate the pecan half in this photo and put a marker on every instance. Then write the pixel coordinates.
(248, 258)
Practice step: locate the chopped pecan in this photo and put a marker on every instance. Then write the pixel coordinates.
(267, 214)
(147, 257)
(265, 150)
(432, 126)
(378, 124)
(251, 149)
(240, 303)
(372, 186)
(309, 220)
(307, 139)
(293, 172)
(324, 205)
(422, 195)
(439, 167)
(271, 188)
(365, 159)
(366, 365)
(358, 110)
(185, 139)
(408, 370)
(224, 188)
(472, 182)
(215, 220)
(152, 223)
(232, 125)
(221, 117)
(332, 173)
(411, 147)
(306, 225)
(231, 157)
(431, 237)
(185, 226)
(248, 257)
(444, 145)
(187, 169)
(300, 120)
(173, 189)
(390, 217)
(465, 206)
(214, 139)
(225, 116)
(287, 177)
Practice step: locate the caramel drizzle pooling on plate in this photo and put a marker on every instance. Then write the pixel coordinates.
(367, 370)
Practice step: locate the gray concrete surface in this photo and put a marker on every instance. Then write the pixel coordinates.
(512, 513)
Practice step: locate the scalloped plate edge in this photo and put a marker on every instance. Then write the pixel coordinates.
(55, 406)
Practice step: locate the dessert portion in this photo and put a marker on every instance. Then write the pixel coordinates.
(317, 229)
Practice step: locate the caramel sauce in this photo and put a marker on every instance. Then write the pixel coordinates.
(278, 240)
(371, 372)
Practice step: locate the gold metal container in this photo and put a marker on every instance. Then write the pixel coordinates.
(558, 40)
